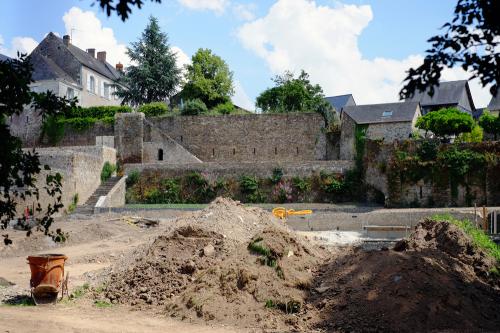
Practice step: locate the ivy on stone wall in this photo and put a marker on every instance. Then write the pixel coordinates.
(445, 167)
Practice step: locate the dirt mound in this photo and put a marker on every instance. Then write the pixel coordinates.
(434, 282)
(450, 239)
(228, 264)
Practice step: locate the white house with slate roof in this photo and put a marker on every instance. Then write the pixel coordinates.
(388, 122)
(68, 71)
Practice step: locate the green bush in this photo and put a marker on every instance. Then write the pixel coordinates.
(225, 108)
(153, 109)
(97, 112)
(490, 123)
(277, 175)
(53, 129)
(476, 135)
(79, 124)
(302, 185)
(248, 184)
(194, 107)
(446, 122)
(107, 171)
(133, 178)
(73, 204)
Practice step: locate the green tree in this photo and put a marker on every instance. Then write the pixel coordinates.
(19, 168)
(446, 122)
(490, 124)
(208, 79)
(471, 41)
(292, 94)
(476, 135)
(156, 75)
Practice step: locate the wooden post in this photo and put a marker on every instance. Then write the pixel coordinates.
(475, 215)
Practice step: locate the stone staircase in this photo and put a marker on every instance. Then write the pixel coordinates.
(88, 207)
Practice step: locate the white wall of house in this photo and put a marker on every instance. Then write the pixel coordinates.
(97, 89)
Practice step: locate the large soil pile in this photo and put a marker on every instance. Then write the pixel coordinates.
(228, 264)
(436, 280)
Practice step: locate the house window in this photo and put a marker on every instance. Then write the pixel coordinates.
(70, 93)
(91, 84)
(387, 114)
(106, 88)
(160, 154)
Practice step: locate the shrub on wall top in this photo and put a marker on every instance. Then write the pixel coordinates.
(153, 109)
(194, 107)
(224, 108)
(97, 112)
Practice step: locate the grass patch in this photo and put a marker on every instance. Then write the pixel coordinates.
(102, 304)
(19, 300)
(79, 291)
(289, 307)
(479, 237)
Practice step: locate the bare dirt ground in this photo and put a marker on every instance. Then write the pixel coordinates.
(230, 268)
(93, 247)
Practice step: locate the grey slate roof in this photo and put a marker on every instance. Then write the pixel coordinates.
(45, 68)
(495, 102)
(372, 113)
(89, 61)
(52, 42)
(4, 57)
(339, 102)
(478, 113)
(447, 93)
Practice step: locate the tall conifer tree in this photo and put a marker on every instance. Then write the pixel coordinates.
(154, 76)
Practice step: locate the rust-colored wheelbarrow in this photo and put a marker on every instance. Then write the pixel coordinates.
(47, 277)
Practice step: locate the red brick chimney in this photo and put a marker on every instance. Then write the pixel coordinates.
(66, 40)
(119, 67)
(101, 56)
(91, 52)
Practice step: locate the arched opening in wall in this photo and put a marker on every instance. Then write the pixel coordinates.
(160, 154)
(275, 150)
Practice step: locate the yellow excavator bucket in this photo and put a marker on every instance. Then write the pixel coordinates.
(283, 213)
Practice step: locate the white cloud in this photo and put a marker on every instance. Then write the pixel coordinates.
(245, 12)
(87, 32)
(218, 6)
(241, 98)
(323, 40)
(18, 44)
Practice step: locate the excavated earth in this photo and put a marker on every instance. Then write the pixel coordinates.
(235, 265)
(226, 264)
(434, 281)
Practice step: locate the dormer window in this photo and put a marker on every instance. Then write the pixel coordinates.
(387, 114)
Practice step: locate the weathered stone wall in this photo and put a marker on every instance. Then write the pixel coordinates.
(276, 137)
(347, 138)
(389, 131)
(159, 145)
(215, 170)
(430, 188)
(129, 136)
(81, 167)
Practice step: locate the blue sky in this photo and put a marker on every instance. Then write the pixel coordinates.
(350, 46)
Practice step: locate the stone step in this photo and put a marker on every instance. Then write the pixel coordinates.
(102, 190)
